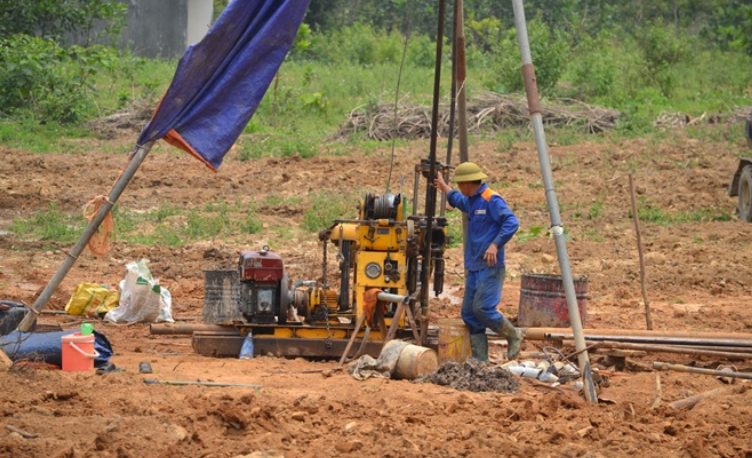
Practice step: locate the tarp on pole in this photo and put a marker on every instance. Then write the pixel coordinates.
(221, 80)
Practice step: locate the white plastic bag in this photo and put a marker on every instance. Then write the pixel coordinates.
(142, 299)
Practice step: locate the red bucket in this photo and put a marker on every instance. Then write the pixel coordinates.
(78, 352)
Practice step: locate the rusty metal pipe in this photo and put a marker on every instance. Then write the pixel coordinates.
(698, 370)
(671, 349)
(721, 348)
(541, 333)
(657, 340)
(188, 329)
(713, 348)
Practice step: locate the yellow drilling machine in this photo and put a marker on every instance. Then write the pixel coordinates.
(389, 261)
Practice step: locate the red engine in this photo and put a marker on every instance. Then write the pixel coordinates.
(263, 286)
(261, 265)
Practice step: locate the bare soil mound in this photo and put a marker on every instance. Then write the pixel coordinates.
(472, 375)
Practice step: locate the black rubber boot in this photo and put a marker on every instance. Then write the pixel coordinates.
(479, 345)
(513, 336)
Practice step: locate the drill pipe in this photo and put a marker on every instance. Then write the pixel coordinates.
(699, 370)
(666, 349)
(542, 333)
(720, 348)
(658, 340)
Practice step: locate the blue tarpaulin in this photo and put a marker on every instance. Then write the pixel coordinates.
(221, 80)
(47, 346)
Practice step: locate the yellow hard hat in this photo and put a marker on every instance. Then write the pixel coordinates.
(468, 171)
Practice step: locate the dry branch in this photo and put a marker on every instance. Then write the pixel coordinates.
(682, 120)
(489, 112)
(133, 117)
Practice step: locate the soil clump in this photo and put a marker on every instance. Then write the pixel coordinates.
(473, 375)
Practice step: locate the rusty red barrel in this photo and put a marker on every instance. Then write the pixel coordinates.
(543, 302)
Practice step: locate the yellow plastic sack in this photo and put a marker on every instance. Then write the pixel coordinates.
(92, 299)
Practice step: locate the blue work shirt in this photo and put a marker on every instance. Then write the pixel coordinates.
(489, 219)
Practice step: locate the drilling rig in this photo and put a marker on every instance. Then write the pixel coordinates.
(386, 257)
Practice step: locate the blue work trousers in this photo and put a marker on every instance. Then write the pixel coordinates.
(482, 295)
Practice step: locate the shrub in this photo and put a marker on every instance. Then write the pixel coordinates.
(363, 45)
(662, 49)
(549, 54)
(43, 78)
(594, 69)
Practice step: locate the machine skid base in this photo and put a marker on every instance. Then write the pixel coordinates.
(228, 345)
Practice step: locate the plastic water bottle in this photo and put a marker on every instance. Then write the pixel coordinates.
(246, 351)
(522, 371)
(87, 329)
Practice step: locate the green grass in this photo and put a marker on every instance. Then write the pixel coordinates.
(647, 212)
(29, 135)
(327, 206)
(596, 208)
(257, 147)
(593, 236)
(165, 225)
(274, 200)
(454, 229)
(50, 224)
(523, 235)
(567, 135)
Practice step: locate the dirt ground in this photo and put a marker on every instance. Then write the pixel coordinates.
(697, 279)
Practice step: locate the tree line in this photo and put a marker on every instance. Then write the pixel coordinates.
(723, 23)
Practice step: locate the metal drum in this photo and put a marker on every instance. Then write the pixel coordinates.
(543, 302)
(221, 296)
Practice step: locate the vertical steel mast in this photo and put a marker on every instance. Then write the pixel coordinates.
(557, 229)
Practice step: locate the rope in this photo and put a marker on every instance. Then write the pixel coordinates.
(99, 243)
(370, 301)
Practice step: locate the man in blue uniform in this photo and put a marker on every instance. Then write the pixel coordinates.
(490, 224)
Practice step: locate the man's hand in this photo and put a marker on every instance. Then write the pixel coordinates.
(490, 256)
(441, 184)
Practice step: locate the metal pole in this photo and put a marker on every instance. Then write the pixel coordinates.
(728, 355)
(70, 259)
(396, 298)
(152, 381)
(545, 333)
(528, 72)
(430, 188)
(699, 370)
(656, 340)
(452, 109)
(461, 76)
